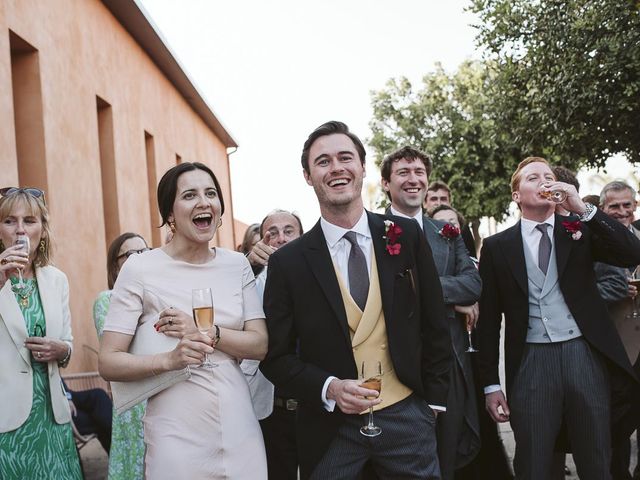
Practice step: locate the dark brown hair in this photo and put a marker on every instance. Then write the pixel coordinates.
(330, 128)
(112, 256)
(443, 207)
(408, 153)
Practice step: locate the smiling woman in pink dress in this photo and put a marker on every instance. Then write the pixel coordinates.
(204, 426)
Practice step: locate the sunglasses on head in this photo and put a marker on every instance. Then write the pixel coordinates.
(34, 192)
(128, 253)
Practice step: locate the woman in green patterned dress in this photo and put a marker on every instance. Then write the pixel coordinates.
(36, 440)
(126, 458)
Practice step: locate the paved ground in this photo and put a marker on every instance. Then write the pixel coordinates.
(94, 459)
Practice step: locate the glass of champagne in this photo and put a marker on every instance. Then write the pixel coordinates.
(202, 305)
(635, 281)
(373, 382)
(23, 241)
(470, 349)
(556, 196)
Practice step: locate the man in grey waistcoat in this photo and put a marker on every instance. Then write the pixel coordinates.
(405, 177)
(562, 353)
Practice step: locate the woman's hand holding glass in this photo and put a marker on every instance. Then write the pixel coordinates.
(191, 350)
(12, 260)
(46, 349)
(175, 323)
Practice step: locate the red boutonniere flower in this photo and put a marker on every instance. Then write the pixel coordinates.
(573, 228)
(392, 234)
(449, 231)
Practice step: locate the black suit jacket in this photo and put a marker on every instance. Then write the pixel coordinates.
(309, 335)
(505, 290)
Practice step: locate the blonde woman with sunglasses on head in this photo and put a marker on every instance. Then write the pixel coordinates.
(36, 440)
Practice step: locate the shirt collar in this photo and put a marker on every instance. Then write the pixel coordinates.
(528, 226)
(417, 217)
(333, 233)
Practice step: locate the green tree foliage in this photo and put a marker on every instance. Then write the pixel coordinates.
(566, 75)
(449, 118)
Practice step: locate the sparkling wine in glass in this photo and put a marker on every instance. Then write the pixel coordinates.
(635, 281)
(471, 348)
(203, 314)
(23, 241)
(556, 196)
(373, 382)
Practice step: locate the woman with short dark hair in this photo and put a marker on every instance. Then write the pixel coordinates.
(203, 426)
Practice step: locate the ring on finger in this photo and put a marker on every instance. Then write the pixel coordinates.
(170, 322)
(4, 261)
(39, 354)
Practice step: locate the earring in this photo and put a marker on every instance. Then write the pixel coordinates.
(172, 226)
(43, 245)
(219, 222)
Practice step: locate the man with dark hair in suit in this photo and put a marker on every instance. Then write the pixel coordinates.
(358, 291)
(562, 353)
(405, 176)
(439, 193)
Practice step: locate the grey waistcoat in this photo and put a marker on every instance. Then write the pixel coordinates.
(549, 317)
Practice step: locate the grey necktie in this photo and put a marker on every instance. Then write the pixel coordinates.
(358, 274)
(544, 248)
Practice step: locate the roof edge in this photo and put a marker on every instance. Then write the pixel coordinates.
(133, 17)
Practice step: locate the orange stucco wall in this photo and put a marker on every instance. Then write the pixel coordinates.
(84, 52)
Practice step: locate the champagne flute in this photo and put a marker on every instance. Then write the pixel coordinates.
(470, 349)
(202, 305)
(23, 241)
(635, 281)
(371, 383)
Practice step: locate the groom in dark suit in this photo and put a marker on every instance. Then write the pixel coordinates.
(405, 177)
(562, 353)
(357, 290)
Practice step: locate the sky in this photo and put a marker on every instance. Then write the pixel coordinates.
(273, 71)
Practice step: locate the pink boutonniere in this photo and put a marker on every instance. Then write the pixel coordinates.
(449, 231)
(573, 228)
(392, 234)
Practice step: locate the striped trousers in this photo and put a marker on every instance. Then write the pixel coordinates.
(561, 382)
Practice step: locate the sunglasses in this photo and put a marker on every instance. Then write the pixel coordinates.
(128, 253)
(34, 192)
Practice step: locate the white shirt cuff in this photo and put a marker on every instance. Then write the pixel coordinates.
(438, 408)
(492, 388)
(329, 405)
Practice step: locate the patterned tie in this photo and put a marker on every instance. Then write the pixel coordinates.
(544, 248)
(358, 274)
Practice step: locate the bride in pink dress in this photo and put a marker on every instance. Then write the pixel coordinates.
(204, 426)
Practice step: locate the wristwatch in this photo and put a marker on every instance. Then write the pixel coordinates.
(588, 212)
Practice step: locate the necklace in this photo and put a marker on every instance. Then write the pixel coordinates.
(24, 292)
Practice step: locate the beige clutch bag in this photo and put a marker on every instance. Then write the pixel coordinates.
(146, 341)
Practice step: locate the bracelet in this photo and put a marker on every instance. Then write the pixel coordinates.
(65, 361)
(216, 339)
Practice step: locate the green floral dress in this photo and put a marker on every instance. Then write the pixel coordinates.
(126, 459)
(40, 448)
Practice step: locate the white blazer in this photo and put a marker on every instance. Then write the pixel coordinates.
(16, 374)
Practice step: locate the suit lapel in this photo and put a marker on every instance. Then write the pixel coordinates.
(386, 263)
(14, 321)
(439, 246)
(513, 249)
(317, 254)
(563, 244)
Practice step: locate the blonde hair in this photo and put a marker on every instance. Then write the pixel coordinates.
(37, 208)
(515, 178)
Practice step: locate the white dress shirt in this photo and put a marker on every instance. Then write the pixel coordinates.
(418, 217)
